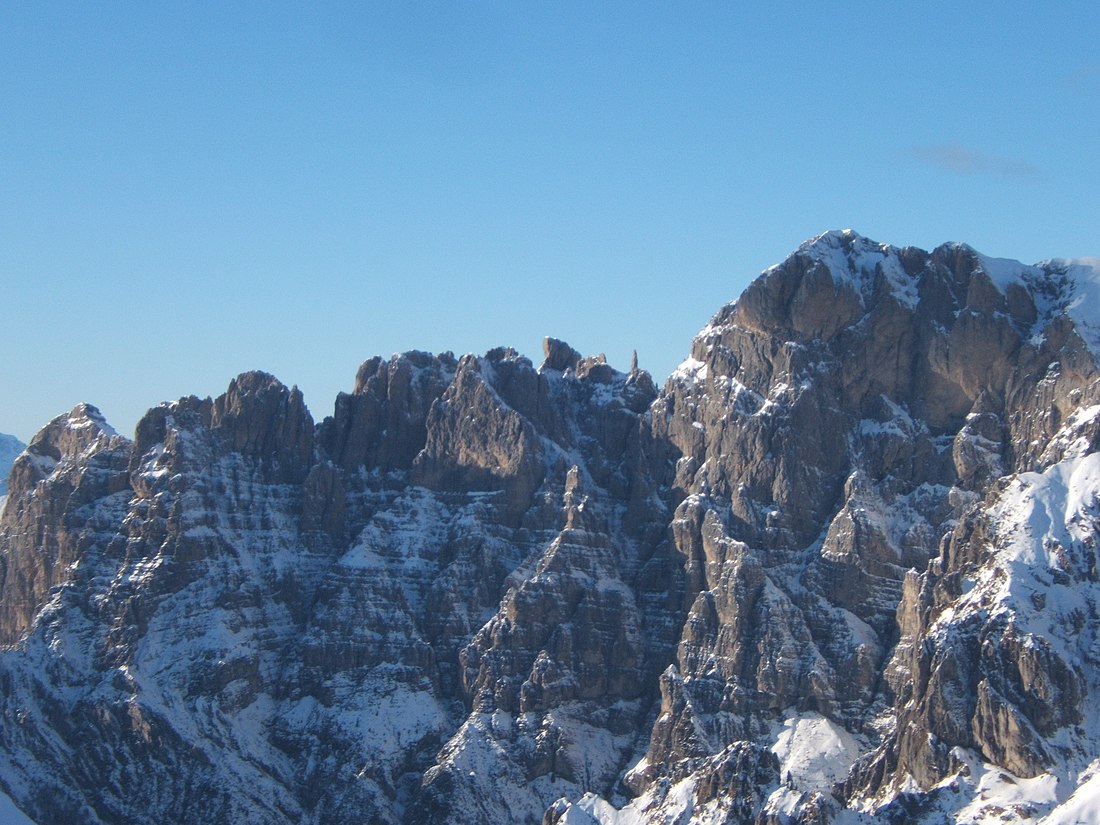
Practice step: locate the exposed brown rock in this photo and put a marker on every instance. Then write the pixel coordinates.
(548, 573)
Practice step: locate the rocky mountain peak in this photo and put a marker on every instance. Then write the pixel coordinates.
(559, 355)
(70, 435)
(259, 417)
(383, 422)
(72, 461)
(841, 568)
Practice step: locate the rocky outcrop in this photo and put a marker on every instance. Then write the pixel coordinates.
(316, 595)
(477, 441)
(845, 558)
(835, 427)
(383, 422)
(73, 462)
(258, 418)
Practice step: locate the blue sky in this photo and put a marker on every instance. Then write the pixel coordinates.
(191, 190)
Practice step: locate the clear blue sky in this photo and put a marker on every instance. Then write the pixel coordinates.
(191, 190)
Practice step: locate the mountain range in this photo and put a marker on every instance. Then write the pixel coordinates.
(842, 568)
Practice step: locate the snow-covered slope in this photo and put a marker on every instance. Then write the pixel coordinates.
(841, 569)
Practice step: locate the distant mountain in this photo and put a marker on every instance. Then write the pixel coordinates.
(10, 447)
(842, 569)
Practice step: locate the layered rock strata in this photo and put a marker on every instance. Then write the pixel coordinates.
(844, 561)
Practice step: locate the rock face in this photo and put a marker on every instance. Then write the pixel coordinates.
(846, 559)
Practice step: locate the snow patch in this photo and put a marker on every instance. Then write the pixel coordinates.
(1058, 285)
(690, 371)
(1084, 304)
(814, 752)
(856, 261)
(1083, 805)
(662, 803)
(1004, 272)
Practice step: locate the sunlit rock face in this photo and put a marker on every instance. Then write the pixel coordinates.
(842, 567)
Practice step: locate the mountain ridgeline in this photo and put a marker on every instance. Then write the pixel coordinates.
(841, 568)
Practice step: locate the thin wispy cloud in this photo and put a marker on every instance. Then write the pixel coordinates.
(955, 157)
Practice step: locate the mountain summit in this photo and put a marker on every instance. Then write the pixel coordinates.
(842, 568)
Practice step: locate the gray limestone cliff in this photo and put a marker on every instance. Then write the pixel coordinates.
(844, 561)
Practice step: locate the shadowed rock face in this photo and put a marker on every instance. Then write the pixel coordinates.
(322, 595)
(480, 590)
(383, 422)
(71, 463)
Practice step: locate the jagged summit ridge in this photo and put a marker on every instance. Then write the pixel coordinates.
(842, 565)
(240, 558)
(872, 270)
